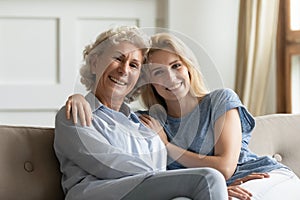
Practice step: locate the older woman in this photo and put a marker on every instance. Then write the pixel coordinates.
(118, 157)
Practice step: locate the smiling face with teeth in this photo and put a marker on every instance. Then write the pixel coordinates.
(169, 75)
(117, 71)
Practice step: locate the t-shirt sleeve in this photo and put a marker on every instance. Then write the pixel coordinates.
(224, 100)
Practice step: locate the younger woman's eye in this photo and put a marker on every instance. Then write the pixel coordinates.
(157, 72)
(176, 65)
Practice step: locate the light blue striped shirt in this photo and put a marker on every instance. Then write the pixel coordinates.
(116, 147)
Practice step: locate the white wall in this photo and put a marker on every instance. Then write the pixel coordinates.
(214, 25)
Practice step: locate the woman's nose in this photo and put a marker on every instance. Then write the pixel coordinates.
(169, 75)
(123, 67)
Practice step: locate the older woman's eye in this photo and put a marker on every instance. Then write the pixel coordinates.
(117, 58)
(135, 65)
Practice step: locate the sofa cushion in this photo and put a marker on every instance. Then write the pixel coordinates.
(28, 166)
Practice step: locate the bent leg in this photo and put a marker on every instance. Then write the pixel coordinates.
(194, 183)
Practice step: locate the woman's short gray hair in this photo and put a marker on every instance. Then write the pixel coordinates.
(115, 35)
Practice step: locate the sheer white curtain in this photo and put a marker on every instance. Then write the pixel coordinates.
(255, 53)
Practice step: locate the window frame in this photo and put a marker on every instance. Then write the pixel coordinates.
(288, 44)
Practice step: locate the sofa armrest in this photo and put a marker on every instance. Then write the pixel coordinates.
(28, 165)
(278, 136)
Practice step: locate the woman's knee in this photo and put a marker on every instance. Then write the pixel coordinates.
(214, 184)
(214, 179)
(213, 173)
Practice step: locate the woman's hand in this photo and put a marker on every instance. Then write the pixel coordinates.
(235, 190)
(154, 124)
(238, 192)
(250, 177)
(77, 105)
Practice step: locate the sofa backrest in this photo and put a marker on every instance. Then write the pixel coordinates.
(278, 136)
(28, 166)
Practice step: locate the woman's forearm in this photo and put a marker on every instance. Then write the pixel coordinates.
(223, 163)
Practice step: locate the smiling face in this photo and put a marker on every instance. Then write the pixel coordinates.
(169, 75)
(117, 71)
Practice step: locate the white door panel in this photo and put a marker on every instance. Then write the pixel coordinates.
(41, 45)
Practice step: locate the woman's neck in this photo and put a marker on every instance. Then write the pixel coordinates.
(182, 107)
(110, 102)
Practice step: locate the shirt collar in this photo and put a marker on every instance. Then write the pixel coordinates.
(96, 104)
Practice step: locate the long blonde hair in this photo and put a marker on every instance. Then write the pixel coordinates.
(168, 42)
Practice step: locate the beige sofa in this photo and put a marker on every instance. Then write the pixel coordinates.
(29, 169)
